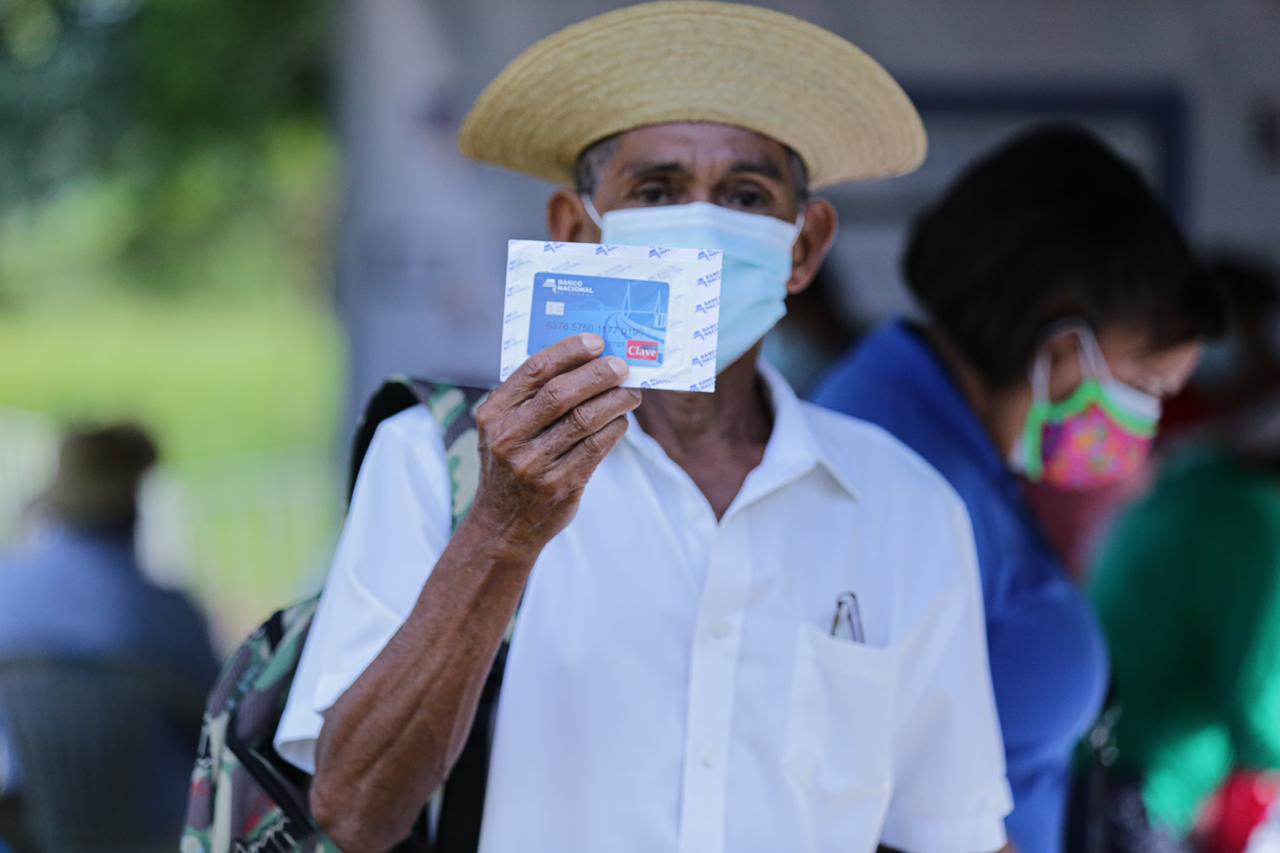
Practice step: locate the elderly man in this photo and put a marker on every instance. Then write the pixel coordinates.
(676, 680)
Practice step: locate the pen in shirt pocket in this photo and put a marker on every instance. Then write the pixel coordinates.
(847, 622)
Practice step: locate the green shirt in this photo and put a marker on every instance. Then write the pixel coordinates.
(1188, 592)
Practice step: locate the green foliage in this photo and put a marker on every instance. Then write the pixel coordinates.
(221, 70)
(166, 199)
(147, 85)
(214, 379)
(185, 126)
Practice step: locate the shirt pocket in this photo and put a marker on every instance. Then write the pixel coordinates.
(839, 725)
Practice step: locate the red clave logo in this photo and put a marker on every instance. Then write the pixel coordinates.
(642, 350)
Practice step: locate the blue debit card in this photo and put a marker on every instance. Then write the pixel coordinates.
(630, 314)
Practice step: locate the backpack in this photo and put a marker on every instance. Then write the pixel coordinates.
(245, 798)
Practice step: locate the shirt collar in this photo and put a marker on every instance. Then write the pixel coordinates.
(794, 447)
(794, 440)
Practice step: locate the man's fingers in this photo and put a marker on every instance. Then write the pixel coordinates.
(587, 418)
(584, 456)
(545, 365)
(563, 393)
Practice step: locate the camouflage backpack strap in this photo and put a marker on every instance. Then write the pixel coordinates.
(461, 800)
(244, 796)
(454, 409)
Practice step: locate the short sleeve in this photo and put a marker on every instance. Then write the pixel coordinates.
(950, 791)
(397, 527)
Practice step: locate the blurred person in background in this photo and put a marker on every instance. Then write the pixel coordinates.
(78, 599)
(1233, 373)
(1242, 369)
(1063, 305)
(1187, 587)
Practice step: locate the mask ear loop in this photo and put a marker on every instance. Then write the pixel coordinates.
(1120, 393)
(1095, 363)
(590, 207)
(1092, 350)
(1026, 451)
(1040, 378)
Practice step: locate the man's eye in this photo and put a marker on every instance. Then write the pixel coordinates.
(652, 194)
(747, 199)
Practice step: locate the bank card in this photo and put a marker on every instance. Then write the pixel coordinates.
(629, 313)
(656, 308)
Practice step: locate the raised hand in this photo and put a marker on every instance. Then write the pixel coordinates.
(542, 434)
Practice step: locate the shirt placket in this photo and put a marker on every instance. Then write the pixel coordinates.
(717, 642)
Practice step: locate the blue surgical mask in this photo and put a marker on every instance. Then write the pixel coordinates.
(757, 260)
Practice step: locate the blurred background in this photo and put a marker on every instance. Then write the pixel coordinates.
(230, 220)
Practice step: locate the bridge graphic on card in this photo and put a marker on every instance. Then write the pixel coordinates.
(629, 314)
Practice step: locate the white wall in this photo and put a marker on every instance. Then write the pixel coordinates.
(1224, 54)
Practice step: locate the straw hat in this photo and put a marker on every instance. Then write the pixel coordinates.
(690, 61)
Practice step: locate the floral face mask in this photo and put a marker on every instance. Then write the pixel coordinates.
(1100, 434)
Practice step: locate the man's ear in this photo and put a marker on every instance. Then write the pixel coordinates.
(813, 243)
(567, 219)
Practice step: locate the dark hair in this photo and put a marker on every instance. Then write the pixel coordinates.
(99, 470)
(590, 163)
(1049, 226)
(592, 160)
(1248, 281)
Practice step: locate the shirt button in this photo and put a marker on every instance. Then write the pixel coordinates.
(708, 759)
(720, 630)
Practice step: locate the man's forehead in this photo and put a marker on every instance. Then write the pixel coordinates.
(694, 144)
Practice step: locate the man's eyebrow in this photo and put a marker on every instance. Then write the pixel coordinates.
(643, 168)
(767, 168)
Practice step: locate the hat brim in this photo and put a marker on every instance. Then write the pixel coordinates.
(675, 62)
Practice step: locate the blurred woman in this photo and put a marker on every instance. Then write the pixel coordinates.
(1063, 304)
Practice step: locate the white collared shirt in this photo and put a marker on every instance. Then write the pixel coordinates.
(673, 684)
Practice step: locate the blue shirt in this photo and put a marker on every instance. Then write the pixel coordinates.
(82, 596)
(1048, 659)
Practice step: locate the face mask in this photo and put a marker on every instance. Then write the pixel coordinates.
(1100, 434)
(757, 260)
